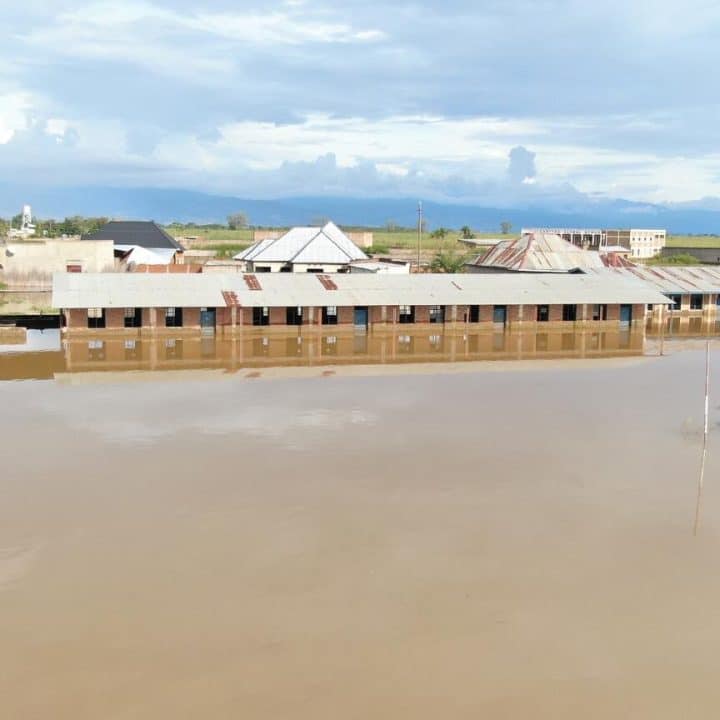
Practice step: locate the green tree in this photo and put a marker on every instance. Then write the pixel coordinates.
(448, 261)
(439, 234)
(505, 227)
(237, 221)
(466, 232)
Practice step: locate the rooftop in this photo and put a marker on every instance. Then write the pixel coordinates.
(541, 253)
(83, 290)
(135, 233)
(674, 280)
(307, 245)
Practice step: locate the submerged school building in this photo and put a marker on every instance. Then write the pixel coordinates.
(279, 301)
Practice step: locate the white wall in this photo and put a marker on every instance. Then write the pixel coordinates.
(41, 258)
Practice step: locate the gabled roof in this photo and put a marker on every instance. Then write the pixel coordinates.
(539, 252)
(313, 245)
(83, 290)
(140, 233)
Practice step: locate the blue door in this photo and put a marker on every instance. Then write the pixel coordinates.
(499, 314)
(207, 318)
(361, 317)
(625, 314)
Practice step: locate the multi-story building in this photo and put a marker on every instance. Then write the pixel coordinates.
(642, 243)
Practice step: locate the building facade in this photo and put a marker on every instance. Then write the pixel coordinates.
(278, 302)
(37, 260)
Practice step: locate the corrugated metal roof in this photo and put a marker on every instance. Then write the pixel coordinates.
(674, 280)
(82, 290)
(311, 245)
(539, 252)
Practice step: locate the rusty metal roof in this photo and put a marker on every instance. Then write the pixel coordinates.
(675, 280)
(539, 252)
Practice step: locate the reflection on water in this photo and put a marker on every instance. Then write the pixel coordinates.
(45, 354)
(35, 341)
(685, 327)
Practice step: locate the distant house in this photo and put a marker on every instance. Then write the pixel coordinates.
(324, 249)
(140, 242)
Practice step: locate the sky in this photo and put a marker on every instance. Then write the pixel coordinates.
(487, 101)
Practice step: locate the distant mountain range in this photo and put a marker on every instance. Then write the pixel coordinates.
(169, 205)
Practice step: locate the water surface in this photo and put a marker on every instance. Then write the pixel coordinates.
(506, 544)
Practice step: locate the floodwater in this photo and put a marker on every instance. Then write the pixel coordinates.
(515, 541)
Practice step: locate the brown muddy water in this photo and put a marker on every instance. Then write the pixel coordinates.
(507, 544)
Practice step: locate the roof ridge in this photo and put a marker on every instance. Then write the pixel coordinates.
(319, 231)
(341, 249)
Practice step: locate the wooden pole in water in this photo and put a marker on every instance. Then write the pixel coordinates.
(705, 437)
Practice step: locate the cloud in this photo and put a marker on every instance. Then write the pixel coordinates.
(15, 115)
(224, 95)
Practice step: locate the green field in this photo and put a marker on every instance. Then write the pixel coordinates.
(699, 241)
(212, 234)
(228, 242)
(226, 249)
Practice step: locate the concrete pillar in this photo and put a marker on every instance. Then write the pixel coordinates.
(153, 317)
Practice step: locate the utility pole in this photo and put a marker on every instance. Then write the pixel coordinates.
(419, 232)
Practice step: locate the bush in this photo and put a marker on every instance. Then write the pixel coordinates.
(681, 259)
(226, 250)
(379, 249)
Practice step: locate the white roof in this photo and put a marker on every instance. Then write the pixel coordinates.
(147, 256)
(312, 245)
(83, 290)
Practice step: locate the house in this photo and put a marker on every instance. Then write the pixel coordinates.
(539, 252)
(308, 302)
(140, 243)
(324, 249)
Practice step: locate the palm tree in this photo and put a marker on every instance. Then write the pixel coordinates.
(447, 261)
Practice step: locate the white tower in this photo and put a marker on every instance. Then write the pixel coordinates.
(27, 226)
